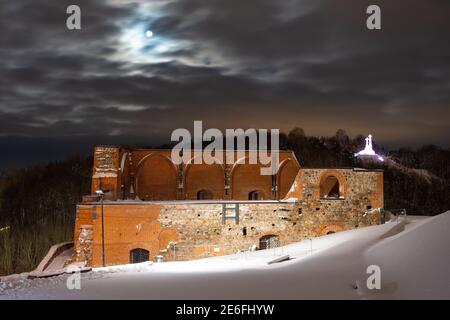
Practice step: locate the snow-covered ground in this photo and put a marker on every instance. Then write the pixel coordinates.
(413, 256)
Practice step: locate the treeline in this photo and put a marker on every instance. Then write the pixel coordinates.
(37, 210)
(37, 204)
(415, 180)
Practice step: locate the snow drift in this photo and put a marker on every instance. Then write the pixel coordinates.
(412, 253)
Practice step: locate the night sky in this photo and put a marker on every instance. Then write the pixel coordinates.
(231, 63)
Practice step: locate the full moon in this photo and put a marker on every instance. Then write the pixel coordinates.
(148, 34)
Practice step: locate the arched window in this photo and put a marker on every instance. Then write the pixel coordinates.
(329, 188)
(255, 195)
(268, 242)
(139, 255)
(204, 195)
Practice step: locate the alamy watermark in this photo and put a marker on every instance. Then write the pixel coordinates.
(73, 282)
(73, 21)
(374, 280)
(235, 144)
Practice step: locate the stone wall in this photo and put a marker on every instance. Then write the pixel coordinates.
(183, 230)
(202, 231)
(83, 248)
(360, 191)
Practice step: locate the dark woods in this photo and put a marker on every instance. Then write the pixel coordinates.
(37, 204)
(37, 210)
(415, 180)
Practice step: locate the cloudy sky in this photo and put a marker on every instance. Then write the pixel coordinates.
(231, 63)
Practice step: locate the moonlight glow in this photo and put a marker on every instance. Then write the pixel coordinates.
(140, 45)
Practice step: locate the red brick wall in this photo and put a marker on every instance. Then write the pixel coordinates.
(127, 227)
(151, 175)
(157, 179)
(202, 176)
(247, 178)
(377, 197)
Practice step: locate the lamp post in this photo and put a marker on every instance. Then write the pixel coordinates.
(101, 193)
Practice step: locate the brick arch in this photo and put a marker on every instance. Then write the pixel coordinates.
(246, 178)
(124, 185)
(191, 161)
(156, 178)
(123, 160)
(151, 155)
(239, 161)
(287, 172)
(204, 177)
(343, 185)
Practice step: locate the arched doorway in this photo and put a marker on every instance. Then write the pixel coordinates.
(204, 195)
(269, 241)
(255, 195)
(330, 188)
(139, 255)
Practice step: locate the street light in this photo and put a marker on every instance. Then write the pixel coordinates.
(101, 193)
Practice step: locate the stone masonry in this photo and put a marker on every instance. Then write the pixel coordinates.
(319, 202)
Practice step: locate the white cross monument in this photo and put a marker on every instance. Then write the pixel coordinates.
(368, 149)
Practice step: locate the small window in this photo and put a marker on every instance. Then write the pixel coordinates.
(369, 207)
(204, 195)
(330, 232)
(255, 195)
(329, 188)
(244, 231)
(269, 241)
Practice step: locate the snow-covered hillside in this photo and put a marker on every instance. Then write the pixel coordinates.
(413, 255)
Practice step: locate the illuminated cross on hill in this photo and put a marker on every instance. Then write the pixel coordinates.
(368, 149)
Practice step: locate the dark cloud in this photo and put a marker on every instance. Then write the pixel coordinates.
(262, 63)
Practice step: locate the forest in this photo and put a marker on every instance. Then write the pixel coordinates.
(37, 203)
